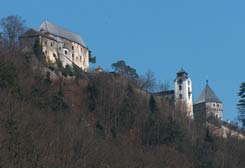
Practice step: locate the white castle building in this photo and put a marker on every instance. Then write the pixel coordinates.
(183, 92)
(208, 104)
(58, 44)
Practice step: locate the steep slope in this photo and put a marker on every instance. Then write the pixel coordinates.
(97, 120)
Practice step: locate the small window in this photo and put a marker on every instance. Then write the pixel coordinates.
(66, 52)
(72, 57)
(189, 83)
(51, 44)
(72, 47)
(80, 58)
(46, 52)
(59, 48)
(180, 87)
(46, 42)
(214, 105)
(216, 116)
(180, 96)
(81, 49)
(217, 105)
(76, 58)
(54, 55)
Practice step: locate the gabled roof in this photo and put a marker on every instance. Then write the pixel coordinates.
(50, 28)
(208, 95)
(32, 33)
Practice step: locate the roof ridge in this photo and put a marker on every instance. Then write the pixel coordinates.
(61, 32)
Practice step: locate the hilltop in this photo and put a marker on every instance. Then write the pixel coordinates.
(97, 120)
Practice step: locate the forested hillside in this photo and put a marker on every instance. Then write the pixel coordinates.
(97, 120)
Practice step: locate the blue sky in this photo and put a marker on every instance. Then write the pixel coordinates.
(207, 38)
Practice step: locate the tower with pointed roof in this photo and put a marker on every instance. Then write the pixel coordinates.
(183, 92)
(207, 105)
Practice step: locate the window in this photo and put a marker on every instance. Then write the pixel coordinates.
(81, 49)
(76, 58)
(59, 48)
(217, 105)
(72, 47)
(51, 44)
(46, 52)
(180, 96)
(189, 83)
(66, 51)
(213, 105)
(80, 58)
(216, 116)
(54, 55)
(72, 57)
(180, 87)
(46, 42)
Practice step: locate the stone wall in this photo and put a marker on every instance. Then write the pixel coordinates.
(66, 51)
(226, 131)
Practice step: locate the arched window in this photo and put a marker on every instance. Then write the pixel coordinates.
(66, 51)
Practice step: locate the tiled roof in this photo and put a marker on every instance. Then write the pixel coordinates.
(208, 95)
(48, 27)
(32, 32)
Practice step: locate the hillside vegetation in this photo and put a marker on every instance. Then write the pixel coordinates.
(97, 121)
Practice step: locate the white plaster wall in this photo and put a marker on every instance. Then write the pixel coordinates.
(187, 83)
(76, 53)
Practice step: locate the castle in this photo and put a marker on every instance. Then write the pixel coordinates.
(206, 109)
(208, 104)
(58, 44)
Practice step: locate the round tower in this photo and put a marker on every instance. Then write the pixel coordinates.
(183, 92)
(208, 104)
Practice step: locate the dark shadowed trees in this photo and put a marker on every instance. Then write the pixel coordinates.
(91, 58)
(124, 69)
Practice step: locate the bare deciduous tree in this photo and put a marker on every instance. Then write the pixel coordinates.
(12, 27)
(148, 81)
(164, 86)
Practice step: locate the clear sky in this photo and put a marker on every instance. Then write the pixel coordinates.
(205, 37)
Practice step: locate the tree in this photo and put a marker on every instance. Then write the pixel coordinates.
(241, 104)
(164, 86)
(12, 27)
(153, 104)
(124, 69)
(148, 81)
(1, 36)
(91, 58)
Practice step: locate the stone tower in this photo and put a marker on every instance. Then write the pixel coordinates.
(183, 92)
(208, 104)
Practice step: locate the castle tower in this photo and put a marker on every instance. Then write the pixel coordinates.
(183, 92)
(208, 104)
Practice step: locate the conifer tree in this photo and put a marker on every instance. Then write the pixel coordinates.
(241, 104)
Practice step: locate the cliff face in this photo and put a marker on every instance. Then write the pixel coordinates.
(225, 130)
(97, 120)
